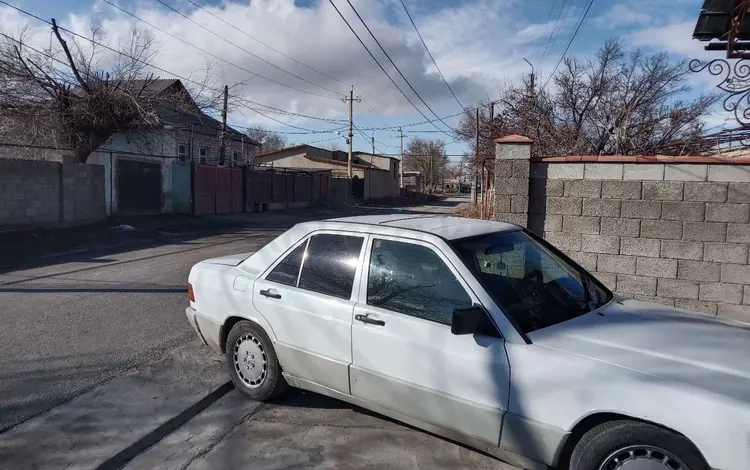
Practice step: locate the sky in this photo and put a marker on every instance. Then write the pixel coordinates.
(478, 45)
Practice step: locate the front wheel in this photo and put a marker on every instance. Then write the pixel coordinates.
(633, 445)
(253, 365)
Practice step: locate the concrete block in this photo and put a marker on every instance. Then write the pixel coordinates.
(520, 219)
(706, 192)
(727, 212)
(677, 288)
(521, 168)
(662, 229)
(738, 192)
(685, 172)
(638, 285)
(655, 300)
(697, 306)
(695, 211)
(502, 203)
(705, 231)
(601, 207)
(738, 233)
(603, 171)
(620, 226)
(552, 223)
(735, 312)
(663, 190)
(642, 172)
(600, 244)
(731, 173)
(746, 297)
(616, 264)
(656, 267)
(564, 205)
(586, 260)
(519, 204)
(609, 280)
(726, 252)
(648, 247)
(565, 171)
(586, 225)
(621, 189)
(543, 188)
(699, 271)
(515, 186)
(503, 168)
(641, 209)
(583, 188)
(564, 241)
(719, 292)
(735, 273)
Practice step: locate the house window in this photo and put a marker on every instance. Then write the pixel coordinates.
(181, 153)
(236, 157)
(203, 155)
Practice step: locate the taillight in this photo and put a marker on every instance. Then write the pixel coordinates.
(191, 295)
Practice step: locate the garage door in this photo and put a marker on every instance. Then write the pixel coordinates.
(138, 186)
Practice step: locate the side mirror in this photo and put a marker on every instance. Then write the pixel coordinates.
(473, 320)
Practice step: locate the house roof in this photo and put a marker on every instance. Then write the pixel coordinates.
(300, 146)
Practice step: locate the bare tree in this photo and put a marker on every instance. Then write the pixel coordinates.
(618, 103)
(69, 95)
(270, 141)
(427, 156)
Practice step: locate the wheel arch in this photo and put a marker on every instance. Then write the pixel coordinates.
(233, 320)
(589, 422)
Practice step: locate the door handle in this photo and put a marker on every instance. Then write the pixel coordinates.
(271, 294)
(368, 320)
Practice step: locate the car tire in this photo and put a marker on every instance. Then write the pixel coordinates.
(626, 439)
(252, 362)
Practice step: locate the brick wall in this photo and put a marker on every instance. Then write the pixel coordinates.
(194, 141)
(42, 193)
(672, 233)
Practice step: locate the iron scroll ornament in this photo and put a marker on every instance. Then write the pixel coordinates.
(735, 82)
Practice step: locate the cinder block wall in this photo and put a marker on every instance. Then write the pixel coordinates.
(673, 233)
(43, 193)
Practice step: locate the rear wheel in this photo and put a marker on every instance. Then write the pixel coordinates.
(633, 445)
(253, 365)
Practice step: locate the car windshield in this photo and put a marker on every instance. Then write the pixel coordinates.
(535, 286)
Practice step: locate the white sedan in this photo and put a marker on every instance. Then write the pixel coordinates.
(483, 333)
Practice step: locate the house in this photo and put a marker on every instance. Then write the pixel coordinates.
(142, 165)
(373, 176)
(413, 181)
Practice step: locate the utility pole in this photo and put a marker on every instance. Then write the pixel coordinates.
(223, 133)
(532, 75)
(351, 101)
(401, 163)
(432, 178)
(373, 143)
(474, 195)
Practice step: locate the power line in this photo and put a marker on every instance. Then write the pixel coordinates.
(396, 67)
(248, 52)
(186, 79)
(268, 46)
(367, 105)
(212, 54)
(430, 54)
(379, 65)
(575, 33)
(550, 42)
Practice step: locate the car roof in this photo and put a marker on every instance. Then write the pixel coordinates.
(448, 227)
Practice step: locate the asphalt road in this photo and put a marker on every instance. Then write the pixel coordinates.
(100, 369)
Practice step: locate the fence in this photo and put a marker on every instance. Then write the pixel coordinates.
(278, 188)
(35, 192)
(673, 230)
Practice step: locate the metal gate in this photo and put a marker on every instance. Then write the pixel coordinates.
(217, 190)
(138, 186)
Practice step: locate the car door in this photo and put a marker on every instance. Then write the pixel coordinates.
(404, 356)
(307, 296)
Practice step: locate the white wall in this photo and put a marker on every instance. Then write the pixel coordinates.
(157, 143)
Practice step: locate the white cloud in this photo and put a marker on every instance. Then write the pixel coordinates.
(622, 15)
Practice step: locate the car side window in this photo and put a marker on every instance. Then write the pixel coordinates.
(287, 271)
(413, 280)
(330, 264)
